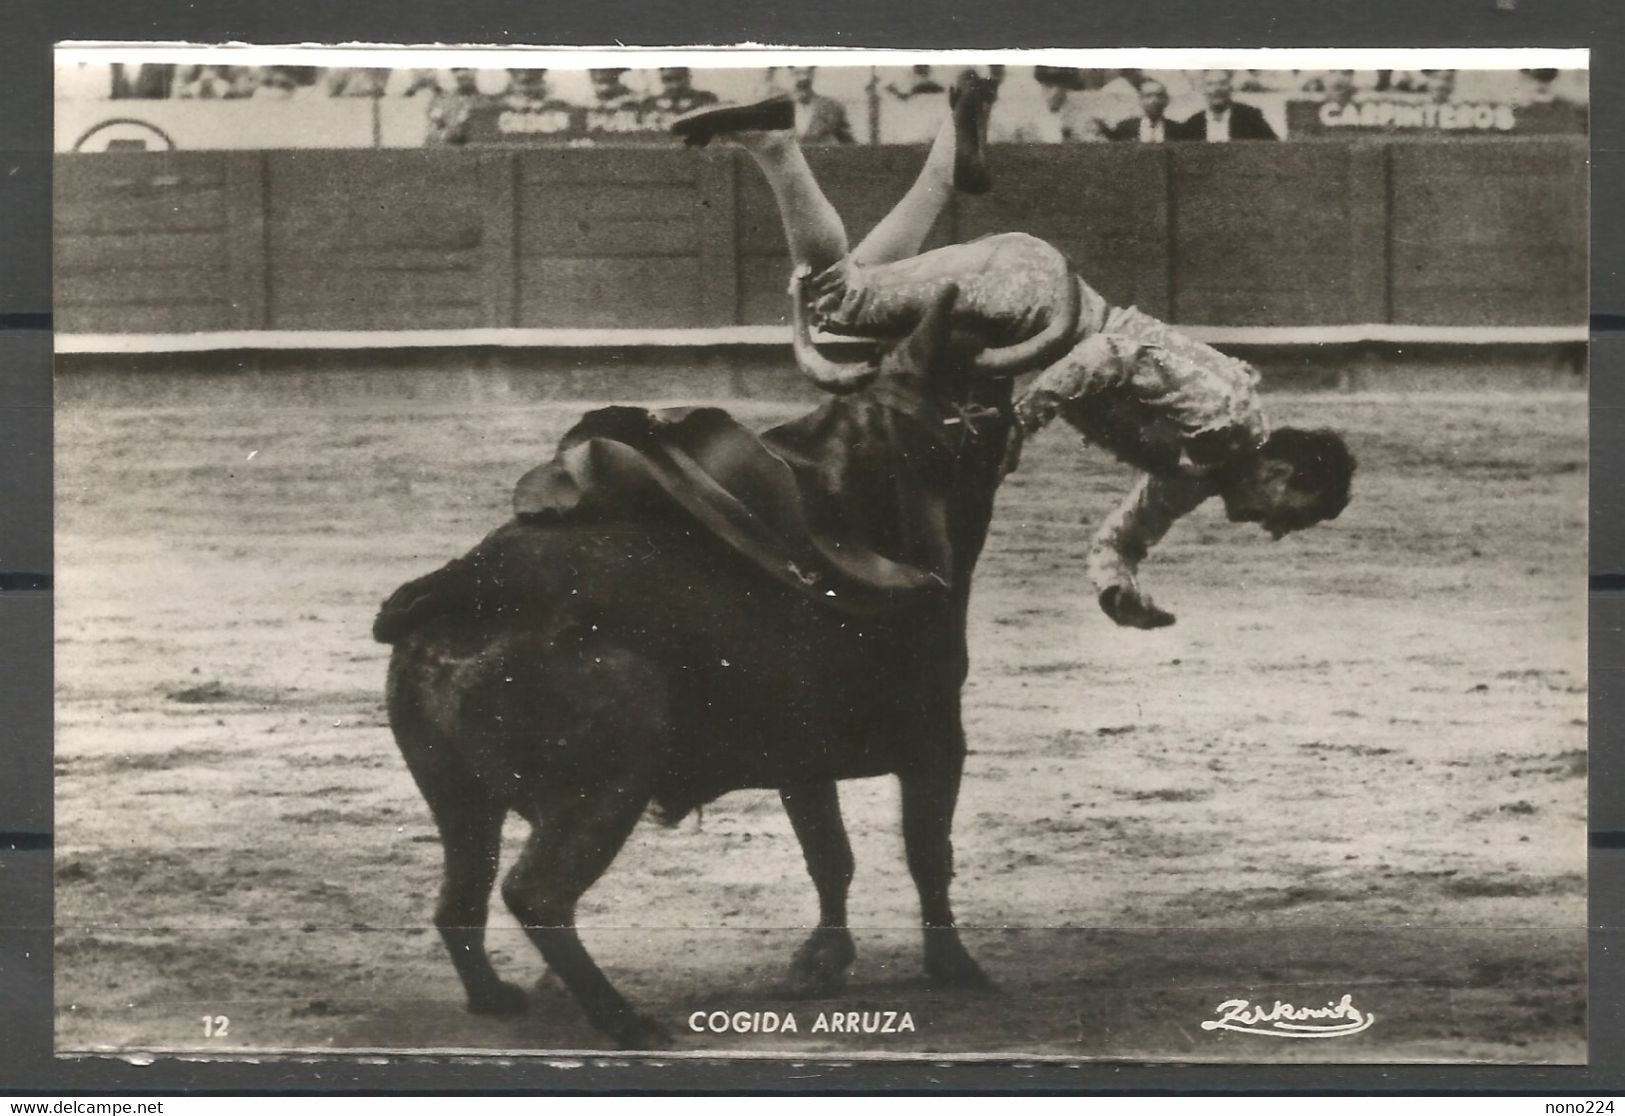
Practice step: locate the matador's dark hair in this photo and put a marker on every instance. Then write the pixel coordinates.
(1321, 465)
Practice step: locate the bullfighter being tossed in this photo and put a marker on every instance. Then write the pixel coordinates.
(1184, 414)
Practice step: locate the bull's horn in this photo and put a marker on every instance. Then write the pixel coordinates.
(1043, 348)
(830, 375)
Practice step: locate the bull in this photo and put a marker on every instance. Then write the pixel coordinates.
(582, 670)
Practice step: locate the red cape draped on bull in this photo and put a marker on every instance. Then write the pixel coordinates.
(835, 504)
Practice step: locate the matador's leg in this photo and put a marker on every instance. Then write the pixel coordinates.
(816, 236)
(955, 162)
(1018, 302)
(1012, 287)
(812, 227)
(1017, 293)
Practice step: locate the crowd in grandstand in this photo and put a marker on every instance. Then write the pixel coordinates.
(891, 105)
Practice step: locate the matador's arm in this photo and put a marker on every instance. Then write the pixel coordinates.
(1127, 535)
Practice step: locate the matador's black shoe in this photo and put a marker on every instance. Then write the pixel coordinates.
(971, 100)
(776, 114)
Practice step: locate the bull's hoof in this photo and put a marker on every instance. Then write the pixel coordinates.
(820, 965)
(500, 998)
(642, 1033)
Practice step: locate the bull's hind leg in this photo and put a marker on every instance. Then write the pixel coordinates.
(470, 822)
(471, 834)
(577, 833)
(821, 963)
(930, 792)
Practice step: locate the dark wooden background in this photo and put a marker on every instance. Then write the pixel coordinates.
(1481, 232)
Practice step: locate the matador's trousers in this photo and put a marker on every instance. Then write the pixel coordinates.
(1162, 402)
(1130, 383)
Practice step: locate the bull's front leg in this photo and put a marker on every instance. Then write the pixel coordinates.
(820, 965)
(930, 792)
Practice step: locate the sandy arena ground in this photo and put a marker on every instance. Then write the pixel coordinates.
(1356, 764)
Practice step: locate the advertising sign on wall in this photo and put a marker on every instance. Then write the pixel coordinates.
(1465, 118)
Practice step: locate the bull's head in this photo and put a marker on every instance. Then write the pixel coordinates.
(929, 339)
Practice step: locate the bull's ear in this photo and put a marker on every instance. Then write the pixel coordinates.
(831, 375)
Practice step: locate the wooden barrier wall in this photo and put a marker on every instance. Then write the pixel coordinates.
(1481, 233)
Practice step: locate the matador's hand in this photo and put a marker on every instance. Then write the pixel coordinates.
(1035, 410)
(1128, 609)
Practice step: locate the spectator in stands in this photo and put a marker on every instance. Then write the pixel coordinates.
(1340, 88)
(1000, 125)
(614, 106)
(303, 78)
(356, 81)
(774, 83)
(1149, 126)
(1119, 98)
(1322, 81)
(245, 81)
(1184, 87)
(1225, 118)
(1055, 126)
(910, 110)
(143, 80)
(920, 84)
(1407, 81)
(494, 83)
(1540, 87)
(1107, 98)
(1275, 81)
(1019, 112)
(275, 83)
(1441, 86)
(450, 109)
(1059, 77)
(677, 95)
(609, 93)
(1064, 117)
(527, 90)
(206, 83)
(411, 82)
(819, 119)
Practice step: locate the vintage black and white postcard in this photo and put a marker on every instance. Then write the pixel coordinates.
(826, 554)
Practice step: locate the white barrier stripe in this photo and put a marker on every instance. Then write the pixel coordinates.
(1387, 335)
(766, 335)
